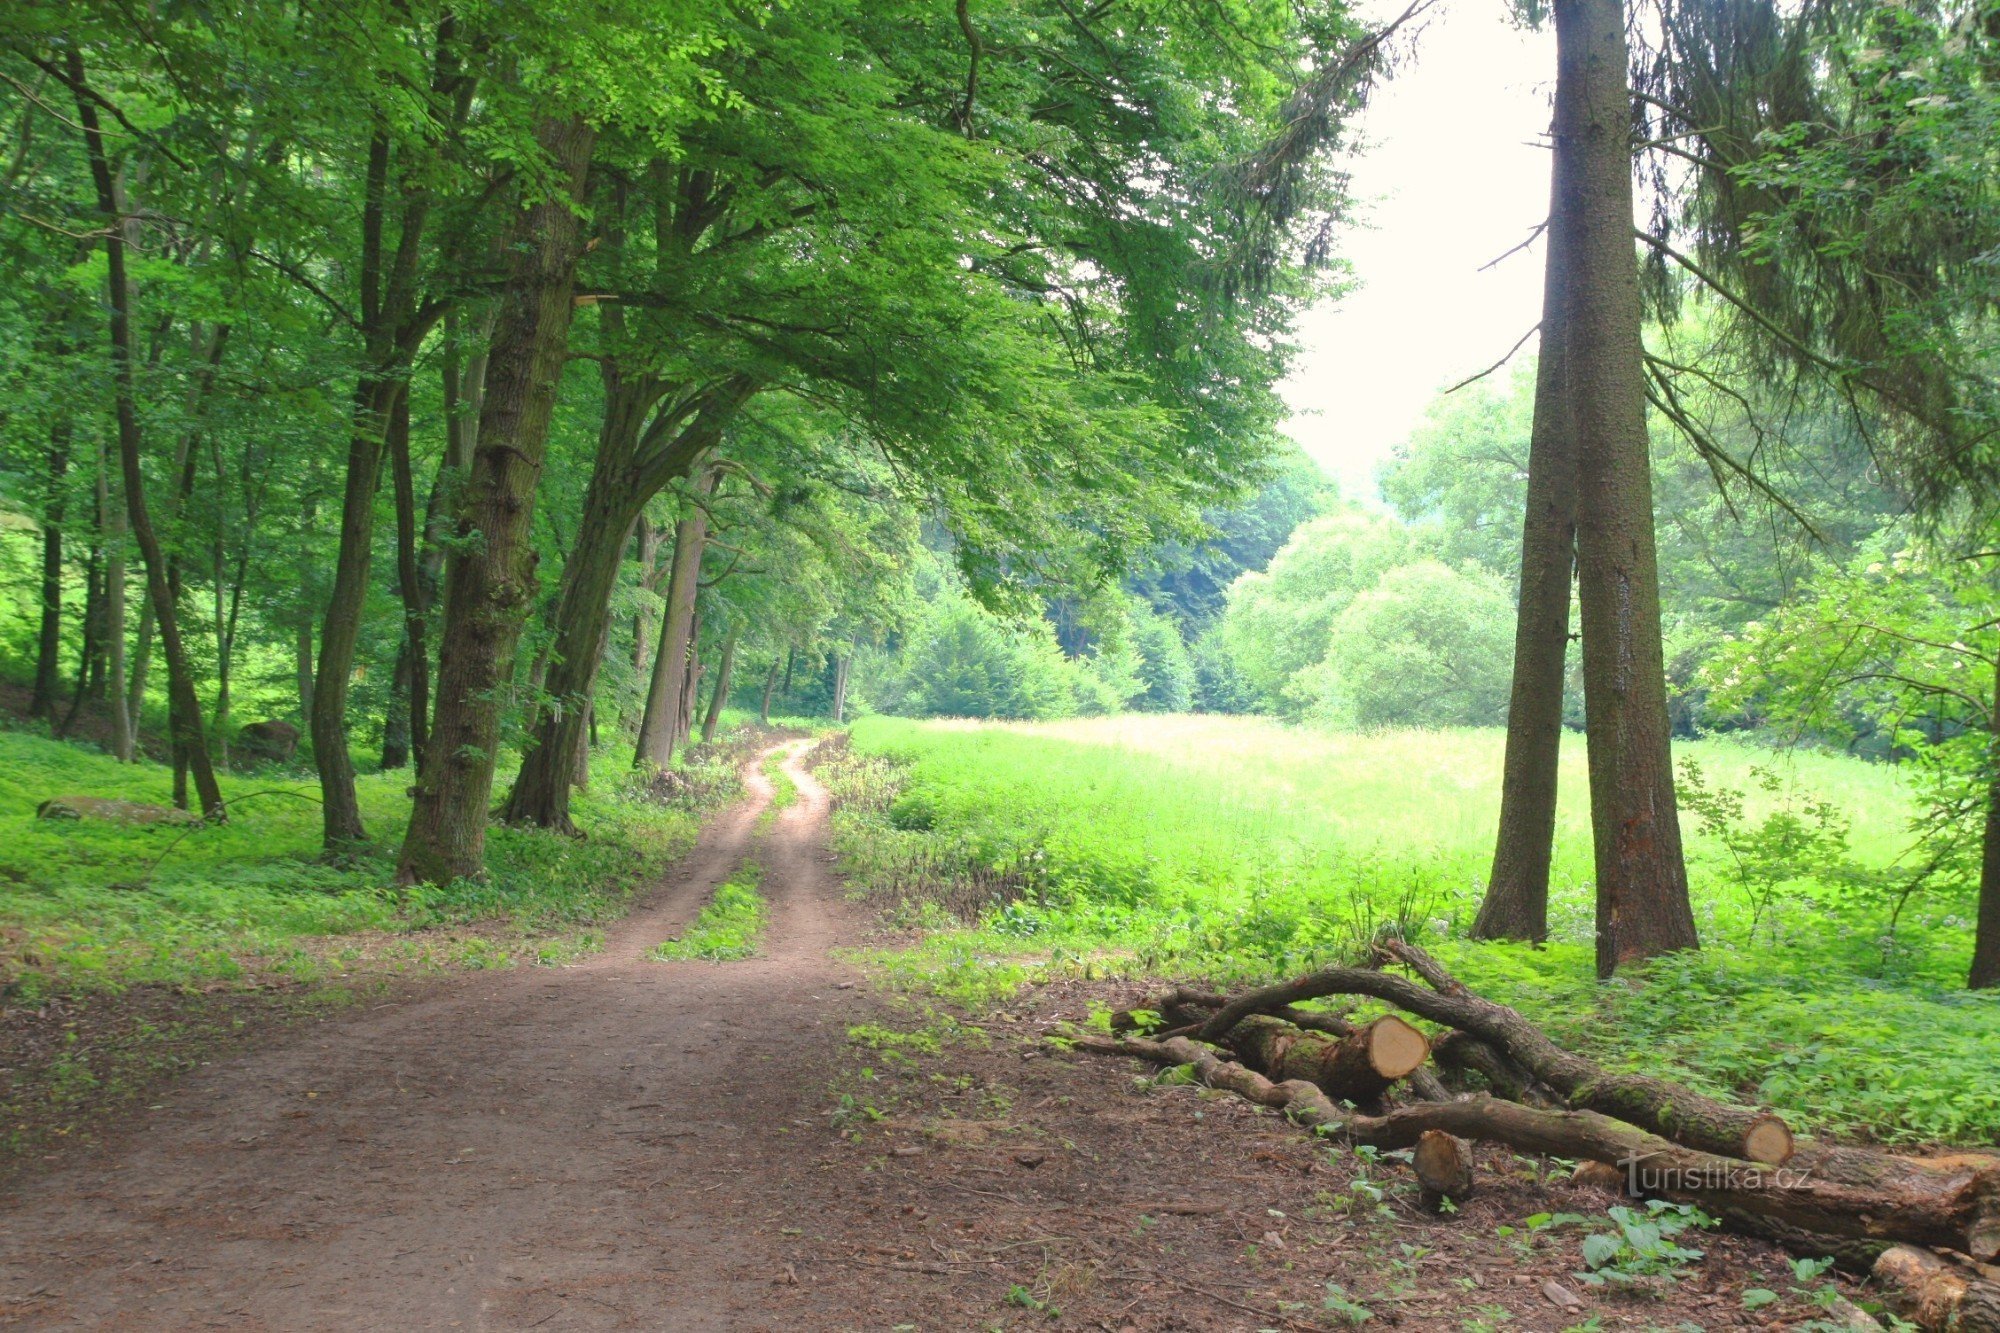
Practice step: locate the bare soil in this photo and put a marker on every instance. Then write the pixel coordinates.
(635, 1144)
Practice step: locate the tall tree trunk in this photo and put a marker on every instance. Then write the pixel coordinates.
(582, 613)
(1516, 906)
(464, 392)
(184, 711)
(48, 643)
(408, 722)
(650, 541)
(396, 718)
(302, 666)
(340, 626)
(690, 685)
(138, 668)
(90, 650)
(112, 514)
(660, 726)
(840, 667)
(1642, 892)
(386, 282)
(1985, 973)
(720, 698)
(92, 665)
(791, 660)
(490, 583)
(770, 684)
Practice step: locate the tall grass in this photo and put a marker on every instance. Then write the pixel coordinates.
(1240, 848)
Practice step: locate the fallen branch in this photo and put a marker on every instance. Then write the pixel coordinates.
(1687, 1118)
(1357, 1067)
(1847, 1194)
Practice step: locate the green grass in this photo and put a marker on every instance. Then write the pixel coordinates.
(1237, 849)
(88, 905)
(726, 929)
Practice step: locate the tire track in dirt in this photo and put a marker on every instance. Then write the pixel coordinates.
(590, 1147)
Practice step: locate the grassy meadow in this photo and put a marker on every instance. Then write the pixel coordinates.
(1239, 848)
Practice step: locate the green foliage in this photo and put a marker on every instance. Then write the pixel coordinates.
(1801, 840)
(1426, 646)
(1280, 622)
(1896, 652)
(1642, 1251)
(728, 925)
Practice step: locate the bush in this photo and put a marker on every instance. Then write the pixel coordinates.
(1427, 646)
(1278, 622)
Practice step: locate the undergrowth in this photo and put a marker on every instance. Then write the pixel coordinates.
(727, 928)
(1239, 850)
(90, 905)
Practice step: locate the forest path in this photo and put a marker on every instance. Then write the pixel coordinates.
(592, 1147)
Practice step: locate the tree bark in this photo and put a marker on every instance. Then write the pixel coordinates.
(770, 684)
(660, 725)
(1358, 1067)
(184, 711)
(631, 468)
(1443, 1163)
(408, 722)
(720, 698)
(387, 291)
(48, 643)
(1642, 891)
(396, 718)
(840, 666)
(1936, 1295)
(490, 582)
(690, 685)
(112, 512)
(1985, 970)
(1516, 906)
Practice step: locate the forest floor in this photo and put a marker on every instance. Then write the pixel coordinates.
(773, 1143)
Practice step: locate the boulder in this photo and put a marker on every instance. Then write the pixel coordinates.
(120, 812)
(271, 742)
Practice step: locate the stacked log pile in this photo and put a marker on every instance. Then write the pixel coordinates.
(1926, 1227)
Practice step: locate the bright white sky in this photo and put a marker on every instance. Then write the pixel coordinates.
(1449, 176)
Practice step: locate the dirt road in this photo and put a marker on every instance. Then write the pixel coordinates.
(639, 1145)
(536, 1148)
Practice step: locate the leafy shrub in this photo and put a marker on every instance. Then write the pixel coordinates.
(1426, 646)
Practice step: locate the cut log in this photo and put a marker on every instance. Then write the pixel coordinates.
(1358, 1067)
(1914, 1206)
(1182, 1010)
(1465, 1053)
(1599, 1175)
(1443, 1163)
(1676, 1113)
(1937, 1295)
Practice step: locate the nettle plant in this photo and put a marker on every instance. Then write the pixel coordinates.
(1801, 841)
(1643, 1252)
